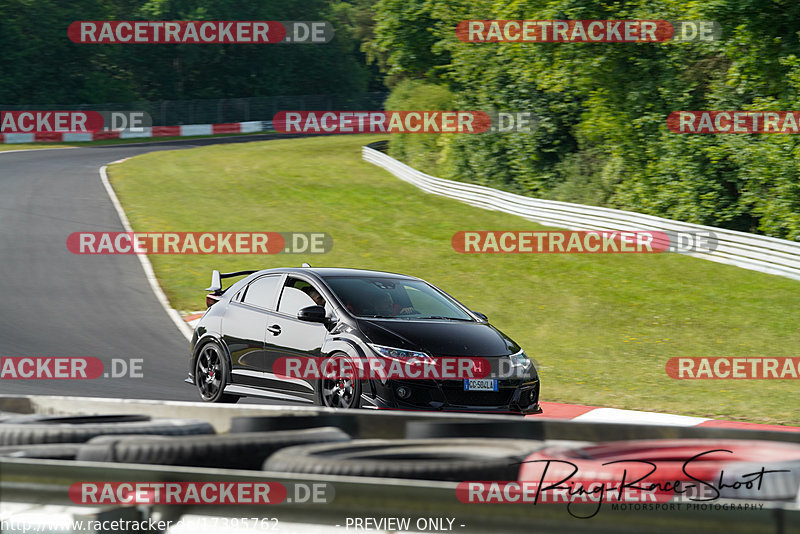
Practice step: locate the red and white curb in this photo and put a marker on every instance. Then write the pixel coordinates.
(594, 414)
(143, 133)
(193, 318)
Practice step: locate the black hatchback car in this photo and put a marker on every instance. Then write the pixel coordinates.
(305, 316)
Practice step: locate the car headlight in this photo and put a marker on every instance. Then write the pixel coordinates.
(391, 352)
(520, 359)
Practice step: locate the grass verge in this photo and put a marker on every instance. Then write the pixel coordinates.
(602, 327)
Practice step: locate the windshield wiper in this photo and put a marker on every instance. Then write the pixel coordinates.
(412, 317)
(442, 317)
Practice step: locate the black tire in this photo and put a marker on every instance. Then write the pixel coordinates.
(479, 429)
(58, 432)
(230, 451)
(341, 393)
(75, 419)
(294, 422)
(448, 460)
(211, 372)
(61, 451)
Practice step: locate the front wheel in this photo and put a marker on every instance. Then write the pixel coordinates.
(343, 391)
(211, 374)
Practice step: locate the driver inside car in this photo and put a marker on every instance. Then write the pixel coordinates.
(385, 307)
(315, 296)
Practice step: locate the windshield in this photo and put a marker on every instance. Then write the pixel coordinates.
(394, 298)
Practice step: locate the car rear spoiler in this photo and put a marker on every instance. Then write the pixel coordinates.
(216, 279)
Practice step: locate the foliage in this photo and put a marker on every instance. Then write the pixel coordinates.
(418, 150)
(40, 65)
(602, 136)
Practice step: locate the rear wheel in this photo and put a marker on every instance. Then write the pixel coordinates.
(343, 391)
(211, 374)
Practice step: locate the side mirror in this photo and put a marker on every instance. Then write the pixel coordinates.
(481, 316)
(312, 314)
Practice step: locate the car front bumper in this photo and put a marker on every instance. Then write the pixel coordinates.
(512, 396)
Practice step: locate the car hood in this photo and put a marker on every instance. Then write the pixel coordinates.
(439, 337)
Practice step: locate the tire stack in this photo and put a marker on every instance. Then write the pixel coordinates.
(60, 438)
(319, 445)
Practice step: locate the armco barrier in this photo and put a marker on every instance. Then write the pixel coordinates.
(758, 253)
(47, 482)
(389, 424)
(140, 133)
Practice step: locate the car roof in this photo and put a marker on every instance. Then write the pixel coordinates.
(325, 272)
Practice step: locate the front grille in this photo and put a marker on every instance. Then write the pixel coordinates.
(478, 398)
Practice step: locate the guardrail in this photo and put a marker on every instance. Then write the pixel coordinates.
(47, 482)
(380, 424)
(758, 253)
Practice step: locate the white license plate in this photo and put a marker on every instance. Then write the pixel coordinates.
(480, 384)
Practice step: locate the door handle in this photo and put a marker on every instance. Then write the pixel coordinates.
(275, 329)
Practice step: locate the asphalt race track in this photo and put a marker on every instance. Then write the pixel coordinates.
(55, 303)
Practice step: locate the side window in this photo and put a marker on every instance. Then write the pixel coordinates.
(261, 292)
(298, 294)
